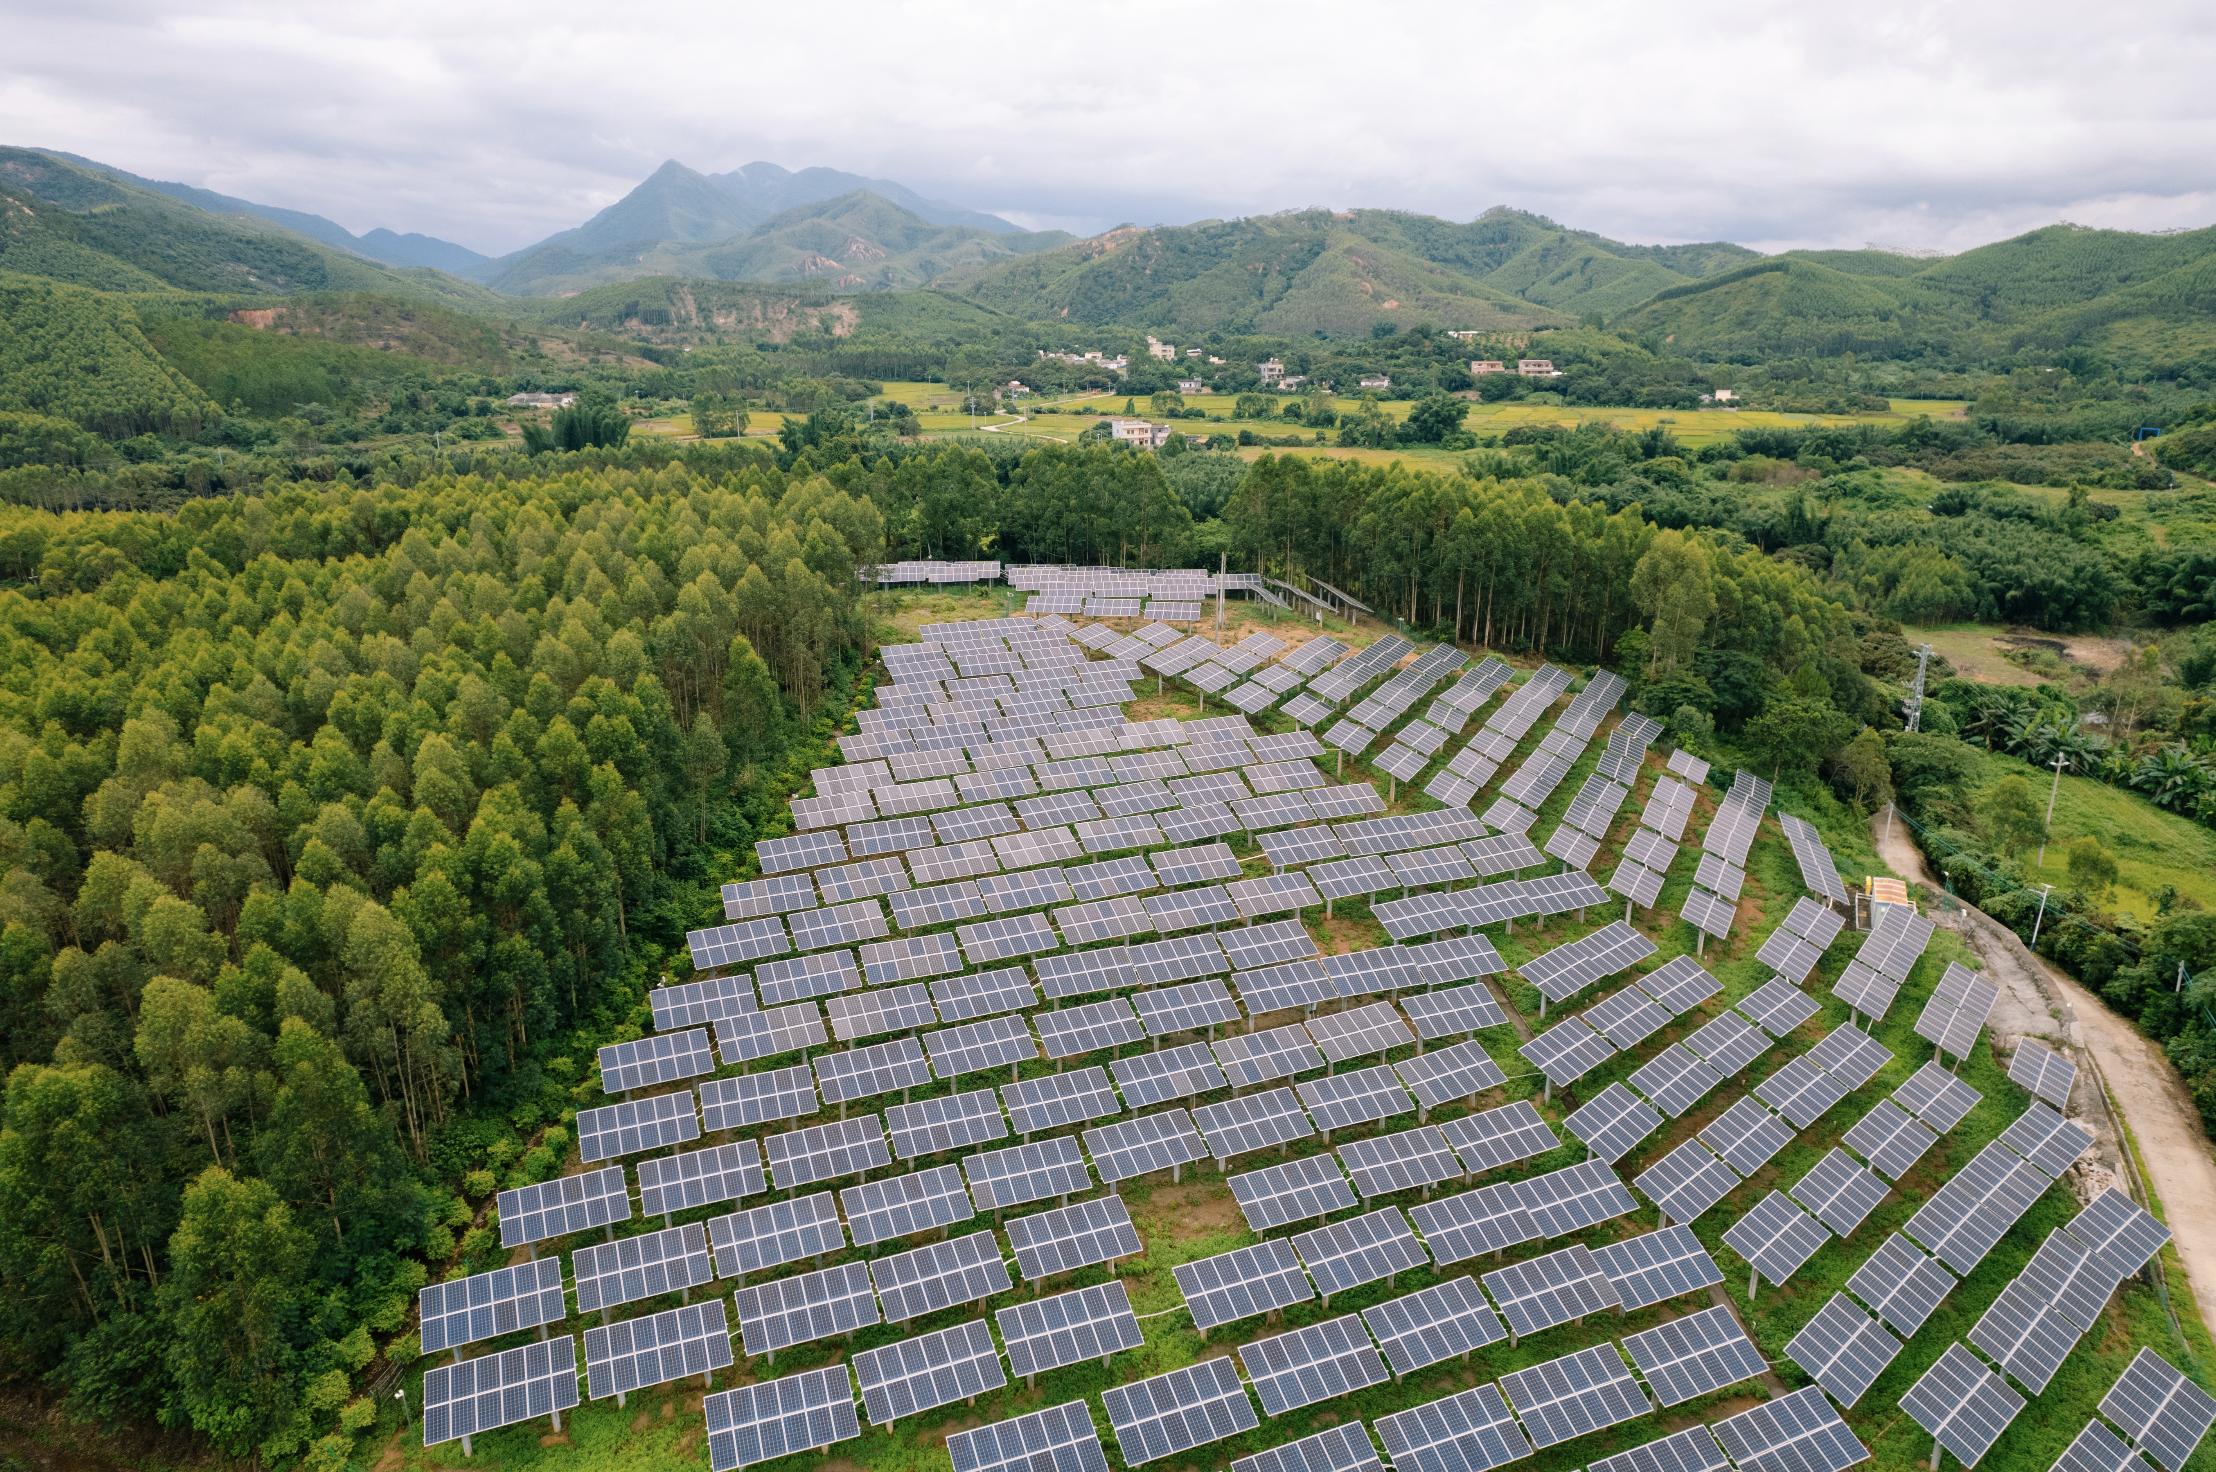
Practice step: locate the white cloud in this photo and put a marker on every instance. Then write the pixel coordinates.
(1774, 123)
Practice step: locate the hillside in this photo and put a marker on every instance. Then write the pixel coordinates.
(1783, 307)
(767, 221)
(1338, 272)
(390, 247)
(667, 309)
(82, 226)
(80, 355)
(853, 242)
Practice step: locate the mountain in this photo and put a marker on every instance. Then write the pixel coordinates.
(87, 226)
(680, 311)
(854, 242)
(1341, 271)
(378, 245)
(774, 190)
(645, 232)
(2144, 299)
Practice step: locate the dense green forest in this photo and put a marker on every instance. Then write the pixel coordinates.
(327, 815)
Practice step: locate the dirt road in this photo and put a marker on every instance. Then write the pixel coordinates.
(2037, 1000)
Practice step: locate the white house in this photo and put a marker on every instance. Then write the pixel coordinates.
(1139, 432)
(1537, 368)
(1479, 367)
(1377, 380)
(1269, 372)
(1192, 386)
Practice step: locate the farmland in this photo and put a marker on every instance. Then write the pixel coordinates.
(1196, 1216)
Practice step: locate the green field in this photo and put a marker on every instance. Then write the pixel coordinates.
(1196, 1217)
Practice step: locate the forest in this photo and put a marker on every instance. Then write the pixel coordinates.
(329, 818)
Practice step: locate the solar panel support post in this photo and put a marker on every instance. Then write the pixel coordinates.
(1754, 1281)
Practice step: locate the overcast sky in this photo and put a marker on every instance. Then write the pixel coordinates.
(1932, 126)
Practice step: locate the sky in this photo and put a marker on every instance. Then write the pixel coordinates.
(1906, 125)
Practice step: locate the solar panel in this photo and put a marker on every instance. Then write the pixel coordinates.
(1567, 1051)
(1890, 1139)
(2096, 1449)
(1501, 1136)
(1707, 912)
(1801, 1091)
(2161, 1410)
(870, 1070)
(1843, 1349)
(672, 1183)
(1470, 1431)
(1694, 1355)
(2049, 1142)
(1776, 1237)
(1799, 1432)
(693, 1003)
(800, 851)
(1150, 1142)
(1294, 1190)
(566, 1204)
(1058, 1099)
(487, 1305)
(1839, 1191)
(928, 1371)
(1400, 1161)
(820, 1305)
(1568, 969)
(1024, 1173)
(1962, 1404)
(1676, 1079)
(1690, 1450)
(1574, 1197)
(757, 1098)
(1109, 878)
(1238, 1126)
(1362, 1096)
(753, 898)
(1487, 1219)
(1453, 1011)
(1345, 1447)
(1074, 1236)
(1628, 1018)
(939, 1275)
(1901, 1283)
(903, 1205)
(635, 1125)
(769, 1236)
(1432, 1324)
(858, 1015)
(1174, 1412)
(825, 1151)
(473, 1396)
(776, 1418)
(694, 1339)
(1554, 1288)
(1728, 1042)
(1561, 1399)
(758, 1035)
(1746, 1135)
(1687, 1181)
(1656, 1266)
(1186, 1007)
(2121, 1233)
(1936, 1097)
(1058, 1439)
(2043, 1071)
(1310, 1364)
(1070, 1032)
(1356, 1250)
(1270, 1053)
(1957, 1010)
(2042, 1313)
(1147, 1079)
(1069, 1328)
(1271, 944)
(1359, 1032)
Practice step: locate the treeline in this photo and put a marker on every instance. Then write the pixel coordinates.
(323, 813)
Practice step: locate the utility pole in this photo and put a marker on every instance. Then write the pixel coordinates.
(1916, 691)
(2035, 924)
(2060, 760)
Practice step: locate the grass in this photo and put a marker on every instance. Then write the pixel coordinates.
(1195, 1217)
(2154, 849)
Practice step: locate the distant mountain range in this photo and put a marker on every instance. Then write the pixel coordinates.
(763, 223)
(812, 237)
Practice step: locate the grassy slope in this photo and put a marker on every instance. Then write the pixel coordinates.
(1196, 1218)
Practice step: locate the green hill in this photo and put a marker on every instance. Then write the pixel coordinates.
(79, 225)
(676, 310)
(1298, 273)
(854, 242)
(1339, 272)
(84, 356)
(1784, 307)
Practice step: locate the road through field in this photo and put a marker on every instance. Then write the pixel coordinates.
(2172, 1147)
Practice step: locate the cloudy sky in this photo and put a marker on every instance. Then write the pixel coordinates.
(1930, 126)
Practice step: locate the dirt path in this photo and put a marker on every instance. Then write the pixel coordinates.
(2038, 1000)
